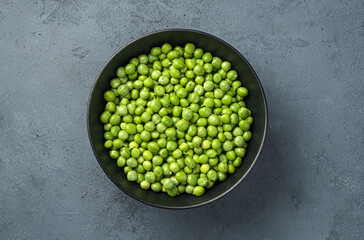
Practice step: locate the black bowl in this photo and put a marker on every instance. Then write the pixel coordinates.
(255, 101)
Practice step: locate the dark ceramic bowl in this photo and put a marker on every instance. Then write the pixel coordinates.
(255, 101)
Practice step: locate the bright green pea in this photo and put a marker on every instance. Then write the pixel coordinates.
(105, 117)
(225, 66)
(207, 57)
(208, 86)
(227, 146)
(242, 92)
(244, 112)
(247, 135)
(192, 179)
(212, 131)
(181, 93)
(166, 47)
(211, 153)
(199, 70)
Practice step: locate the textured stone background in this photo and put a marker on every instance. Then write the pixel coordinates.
(308, 182)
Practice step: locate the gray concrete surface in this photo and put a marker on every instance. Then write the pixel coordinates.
(308, 183)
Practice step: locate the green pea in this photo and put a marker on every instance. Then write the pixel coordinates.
(212, 131)
(208, 86)
(171, 145)
(211, 153)
(242, 92)
(182, 125)
(247, 135)
(198, 191)
(132, 176)
(156, 187)
(157, 160)
(166, 47)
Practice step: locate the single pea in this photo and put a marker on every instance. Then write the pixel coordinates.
(156, 187)
(203, 159)
(114, 119)
(181, 92)
(212, 175)
(189, 48)
(131, 128)
(244, 113)
(223, 167)
(226, 100)
(158, 171)
(225, 66)
(178, 63)
(155, 51)
(214, 120)
(216, 144)
(228, 136)
(249, 120)
(182, 125)
(202, 122)
(184, 147)
(202, 181)
(109, 96)
(145, 184)
(192, 179)
(216, 62)
(247, 135)
(153, 147)
(156, 118)
(221, 176)
(213, 161)
(208, 86)
(204, 112)
(234, 119)
(163, 153)
(227, 146)
(231, 155)
(167, 183)
(171, 145)
(143, 69)
(174, 167)
(108, 144)
(132, 176)
(212, 131)
(196, 141)
(172, 55)
(198, 191)
(177, 153)
(239, 141)
(232, 75)
(211, 153)
(237, 162)
(114, 154)
(242, 92)
(235, 107)
(157, 160)
(207, 57)
(147, 165)
(231, 169)
(198, 53)
(149, 126)
(129, 68)
(199, 70)
(147, 155)
(189, 162)
(166, 47)
(120, 72)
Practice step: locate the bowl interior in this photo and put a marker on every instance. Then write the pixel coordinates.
(255, 102)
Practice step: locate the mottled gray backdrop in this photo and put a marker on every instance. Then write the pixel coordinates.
(308, 182)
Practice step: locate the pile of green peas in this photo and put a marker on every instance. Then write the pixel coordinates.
(176, 120)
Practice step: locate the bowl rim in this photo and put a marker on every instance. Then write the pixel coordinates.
(179, 30)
